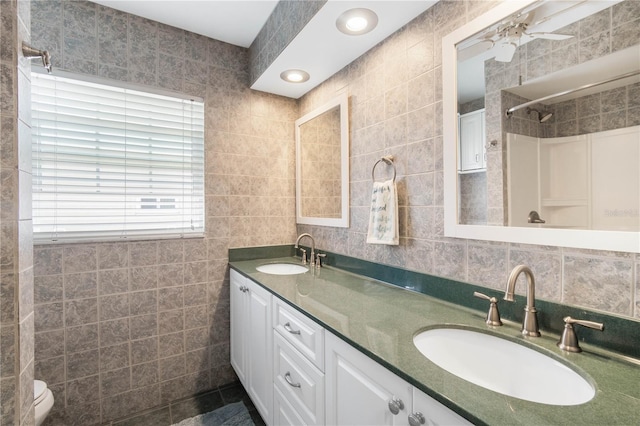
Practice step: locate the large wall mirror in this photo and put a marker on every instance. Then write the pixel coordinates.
(322, 165)
(541, 112)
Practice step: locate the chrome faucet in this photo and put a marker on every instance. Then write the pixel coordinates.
(313, 248)
(530, 322)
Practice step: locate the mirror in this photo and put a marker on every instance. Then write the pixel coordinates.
(536, 95)
(322, 165)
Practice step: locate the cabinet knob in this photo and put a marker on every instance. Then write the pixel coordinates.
(416, 419)
(395, 405)
(287, 377)
(287, 327)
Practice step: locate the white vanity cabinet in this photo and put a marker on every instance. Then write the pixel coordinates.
(297, 373)
(472, 142)
(252, 341)
(360, 391)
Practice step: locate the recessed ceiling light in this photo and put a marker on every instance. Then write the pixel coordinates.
(294, 76)
(357, 21)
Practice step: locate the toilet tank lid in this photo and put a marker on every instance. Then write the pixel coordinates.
(39, 387)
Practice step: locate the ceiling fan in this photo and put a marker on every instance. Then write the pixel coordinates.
(506, 37)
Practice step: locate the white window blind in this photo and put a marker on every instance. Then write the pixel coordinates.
(113, 163)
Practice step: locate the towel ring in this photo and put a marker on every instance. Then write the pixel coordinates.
(387, 159)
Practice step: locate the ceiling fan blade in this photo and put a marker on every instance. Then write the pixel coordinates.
(505, 52)
(474, 50)
(549, 36)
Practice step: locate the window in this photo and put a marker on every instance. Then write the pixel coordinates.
(113, 163)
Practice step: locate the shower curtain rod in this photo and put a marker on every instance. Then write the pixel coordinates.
(511, 110)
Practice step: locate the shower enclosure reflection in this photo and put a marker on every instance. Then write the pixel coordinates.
(572, 157)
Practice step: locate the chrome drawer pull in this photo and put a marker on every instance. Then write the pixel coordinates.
(287, 377)
(287, 327)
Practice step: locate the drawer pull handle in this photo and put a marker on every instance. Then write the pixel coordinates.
(287, 377)
(287, 327)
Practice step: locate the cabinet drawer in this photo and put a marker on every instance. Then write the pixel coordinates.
(283, 412)
(304, 334)
(299, 381)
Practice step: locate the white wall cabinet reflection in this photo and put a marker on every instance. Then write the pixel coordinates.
(472, 142)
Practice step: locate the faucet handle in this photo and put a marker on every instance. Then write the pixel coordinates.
(569, 341)
(493, 316)
(319, 258)
(304, 256)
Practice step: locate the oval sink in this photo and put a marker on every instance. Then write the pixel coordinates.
(282, 269)
(503, 366)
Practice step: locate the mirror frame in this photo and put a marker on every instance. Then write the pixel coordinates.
(586, 239)
(341, 101)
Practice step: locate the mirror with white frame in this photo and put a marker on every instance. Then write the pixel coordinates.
(322, 165)
(542, 125)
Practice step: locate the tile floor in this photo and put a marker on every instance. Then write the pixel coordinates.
(189, 407)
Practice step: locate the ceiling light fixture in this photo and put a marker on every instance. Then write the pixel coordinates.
(357, 21)
(294, 76)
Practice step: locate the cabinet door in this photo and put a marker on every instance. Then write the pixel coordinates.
(259, 337)
(238, 320)
(472, 141)
(359, 390)
(433, 412)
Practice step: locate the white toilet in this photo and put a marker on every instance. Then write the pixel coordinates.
(42, 399)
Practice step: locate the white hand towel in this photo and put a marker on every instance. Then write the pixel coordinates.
(383, 217)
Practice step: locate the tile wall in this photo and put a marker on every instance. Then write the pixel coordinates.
(612, 109)
(396, 108)
(607, 110)
(473, 198)
(16, 241)
(122, 327)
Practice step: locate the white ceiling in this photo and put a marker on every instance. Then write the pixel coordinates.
(320, 49)
(233, 21)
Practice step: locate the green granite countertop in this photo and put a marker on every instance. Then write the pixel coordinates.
(381, 319)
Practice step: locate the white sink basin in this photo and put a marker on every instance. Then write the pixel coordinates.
(504, 366)
(282, 268)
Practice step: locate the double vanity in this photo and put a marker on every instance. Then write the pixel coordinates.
(333, 345)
